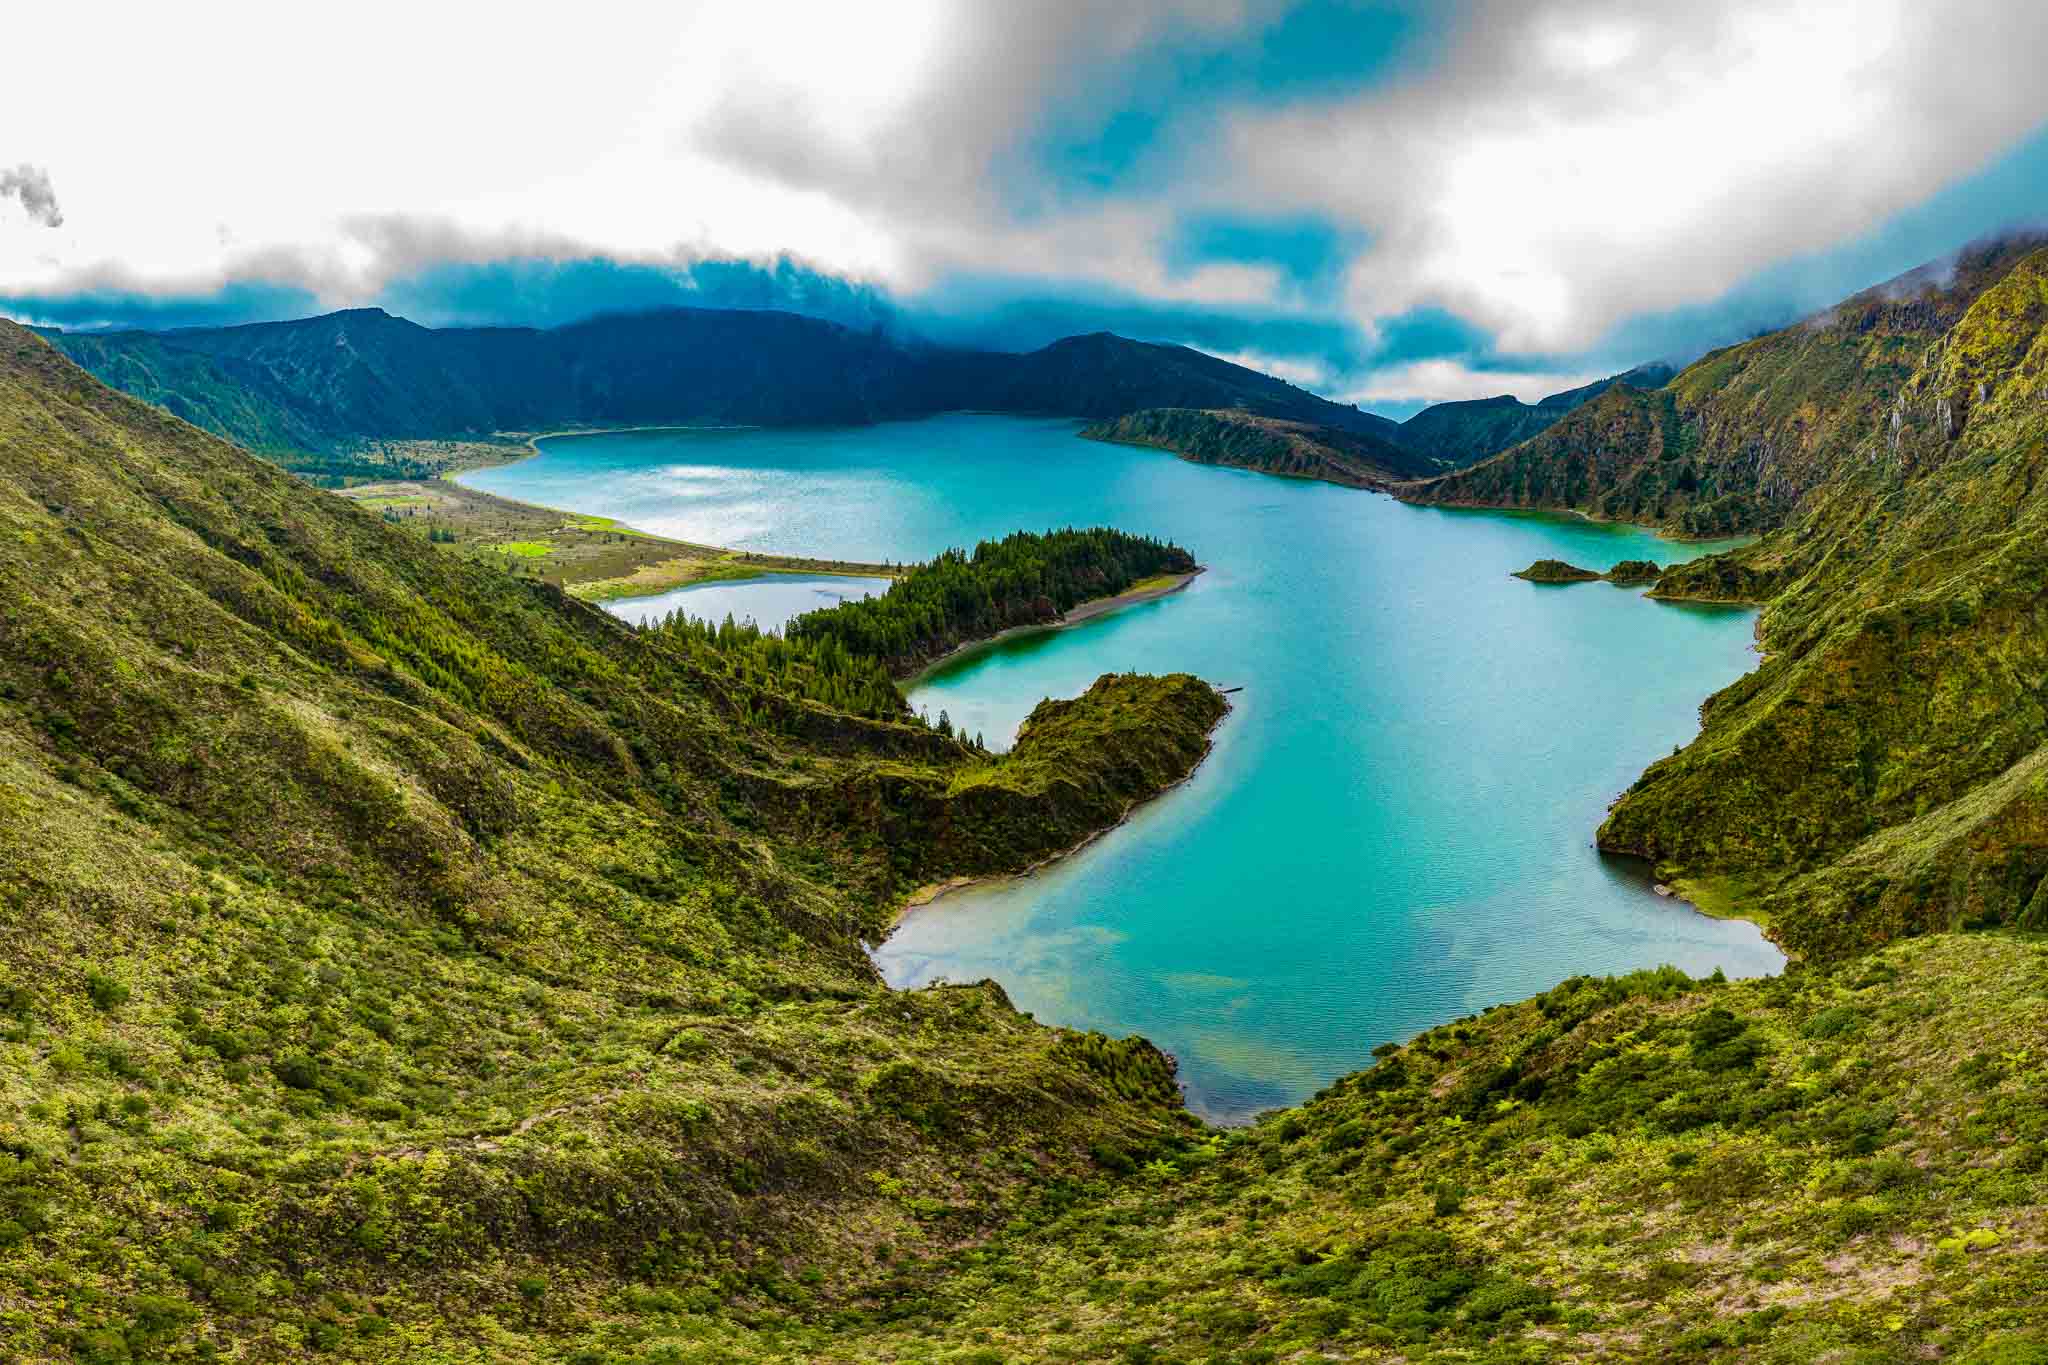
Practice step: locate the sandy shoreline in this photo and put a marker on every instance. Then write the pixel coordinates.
(1079, 612)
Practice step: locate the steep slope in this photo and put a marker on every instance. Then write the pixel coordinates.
(1449, 435)
(1740, 438)
(1271, 445)
(384, 931)
(1881, 773)
(1625, 456)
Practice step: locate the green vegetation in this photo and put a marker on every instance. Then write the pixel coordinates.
(848, 656)
(1556, 571)
(1021, 580)
(1642, 1168)
(407, 958)
(1880, 774)
(1245, 440)
(409, 961)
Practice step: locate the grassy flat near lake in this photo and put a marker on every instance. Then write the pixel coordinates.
(594, 558)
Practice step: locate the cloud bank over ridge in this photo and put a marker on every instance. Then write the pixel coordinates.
(1387, 201)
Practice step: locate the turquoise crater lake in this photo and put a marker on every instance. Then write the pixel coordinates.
(1395, 827)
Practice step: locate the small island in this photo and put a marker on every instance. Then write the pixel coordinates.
(1558, 571)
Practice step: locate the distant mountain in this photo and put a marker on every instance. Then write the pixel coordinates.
(326, 385)
(1465, 432)
(1102, 376)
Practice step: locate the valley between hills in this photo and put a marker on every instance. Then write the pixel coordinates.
(411, 961)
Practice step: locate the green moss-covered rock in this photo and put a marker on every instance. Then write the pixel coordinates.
(1635, 571)
(1556, 571)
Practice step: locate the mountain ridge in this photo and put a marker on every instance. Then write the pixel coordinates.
(329, 384)
(1467, 431)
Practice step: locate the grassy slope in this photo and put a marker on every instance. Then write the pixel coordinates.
(1849, 1164)
(1881, 773)
(397, 948)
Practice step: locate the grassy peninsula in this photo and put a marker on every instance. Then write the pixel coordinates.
(594, 558)
(1247, 440)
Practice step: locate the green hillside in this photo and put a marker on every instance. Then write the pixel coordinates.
(407, 961)
(387, 931)
(1879, 775)
(1741, 439)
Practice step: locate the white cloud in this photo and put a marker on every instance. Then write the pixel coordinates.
(1306, 374)
(1554, 167)
(1445, 381)
(1572, 163)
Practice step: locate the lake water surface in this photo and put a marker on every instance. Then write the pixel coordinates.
(1395, 827)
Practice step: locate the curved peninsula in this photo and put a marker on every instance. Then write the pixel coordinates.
(1238, 439)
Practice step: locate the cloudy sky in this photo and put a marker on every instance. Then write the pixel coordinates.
(1388, 202)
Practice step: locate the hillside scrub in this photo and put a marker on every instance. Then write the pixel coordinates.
(1879, 774)
(403, 954)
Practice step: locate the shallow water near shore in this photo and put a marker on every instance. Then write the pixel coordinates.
(1395, 826)
(769, 600)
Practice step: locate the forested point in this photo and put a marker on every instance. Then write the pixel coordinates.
(847, 656)
(1023, 579)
